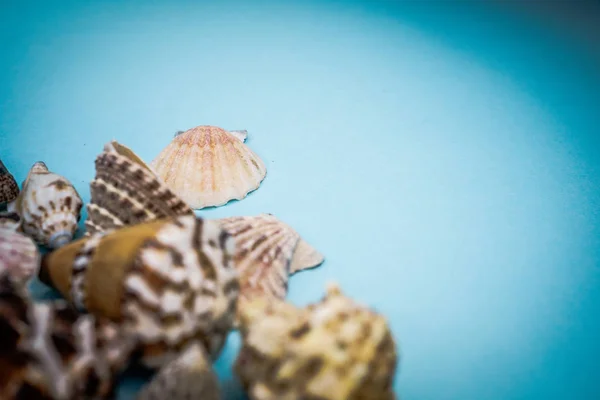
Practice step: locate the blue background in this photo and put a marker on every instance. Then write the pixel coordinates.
(443, 156)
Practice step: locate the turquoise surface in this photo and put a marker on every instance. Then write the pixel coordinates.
(443, 156)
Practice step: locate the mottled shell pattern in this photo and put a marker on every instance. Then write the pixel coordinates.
(10, 220)
(9, 189)
(170, 281)
(125, 191)
(335, 349)
(189, 376)
(209, 166)
(49, 206)
(267, 252)
(51, 352)
(19, 255)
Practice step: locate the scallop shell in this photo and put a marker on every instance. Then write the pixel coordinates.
(190, 376)
(126, 191)
(49, 206)
(336, 349)
(19, 256)
(9, 189)
(170, 281)
(267, 252)
(209, 166)
(50, 352)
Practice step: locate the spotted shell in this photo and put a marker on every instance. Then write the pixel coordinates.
(49, 207)
(170, 281)
(125, 191)
(335, 349)
(209, 166)
(19, 255)
(9, 189)
(51, 352)
(10, 220)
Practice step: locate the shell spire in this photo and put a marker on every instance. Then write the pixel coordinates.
(209, 166)
(125, 191)
(9, 189)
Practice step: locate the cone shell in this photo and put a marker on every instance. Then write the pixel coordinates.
(126, 191)
(333, 350)
(49, 206)
(267, 252)
(169, 281)
(50, 352)
(19, 256)
(9, 189)
(189, 376)
(209, 166)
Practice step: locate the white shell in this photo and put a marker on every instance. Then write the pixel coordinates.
(19, 256)
(209, 166)
(49, 206)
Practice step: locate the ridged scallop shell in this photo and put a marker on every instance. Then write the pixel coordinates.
(209, 166)
(51, 352)
(126, 191)
(335, 349)
(170, 281)
(267, 252)
(9, 189)
(49, 207)
(19, 256)
(189, 376)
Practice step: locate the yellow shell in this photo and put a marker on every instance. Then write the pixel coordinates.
(169, 281)
(332, 350)
(49, 207)
(209, 166)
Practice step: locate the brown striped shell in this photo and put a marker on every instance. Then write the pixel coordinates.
(9, 189)
(126, 192)
(209, 166)
(49, 207)
(19, 255)
(51, 352)
(335, 349)
(170, 281)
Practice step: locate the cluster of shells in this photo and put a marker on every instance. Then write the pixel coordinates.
(151, 283)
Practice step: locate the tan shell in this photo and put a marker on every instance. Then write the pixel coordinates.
(9, 189)
(126, 191)
(49, 206)
(19, 256)
(170, 281)
(209, 166)
(332, 350)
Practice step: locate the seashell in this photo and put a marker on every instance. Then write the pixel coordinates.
(10, 220)
(209, 166)
(19, 256)
(9, 189)
(170, 281)
(49, 206)
(126, 191)
(51, 352)
(335, 349)
(267, 252)
(189, 376)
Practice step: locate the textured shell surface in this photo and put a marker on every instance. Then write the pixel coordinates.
(10, 220)
(169, 282)
(125, 191)
(51, 352)
(9, 189)
(209, 166)
(19, 256)
(335, 349)
(49, 206)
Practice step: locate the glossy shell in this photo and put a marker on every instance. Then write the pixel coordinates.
(9, 189)
(209, 166)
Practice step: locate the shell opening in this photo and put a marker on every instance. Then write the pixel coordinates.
(59, 239)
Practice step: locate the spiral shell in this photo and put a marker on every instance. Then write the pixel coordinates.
(170, 281)
(332, 350)
(209, 166)
(49, 206)
(9, 189)
(19, 256)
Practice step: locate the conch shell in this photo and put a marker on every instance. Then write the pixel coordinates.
(169, 281)
(9, 189)
(49, 206)
(126, 191)
(19, 255)
(332, 350)
(209, 166)
(50, 352)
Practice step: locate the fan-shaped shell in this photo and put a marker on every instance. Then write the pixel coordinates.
(126, 191)
(169, 281)
(335, 349)
(49, 207)
(9, 189)
(19, 256)
(209, 166)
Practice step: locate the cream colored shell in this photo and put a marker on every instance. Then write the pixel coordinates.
(19, 255)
